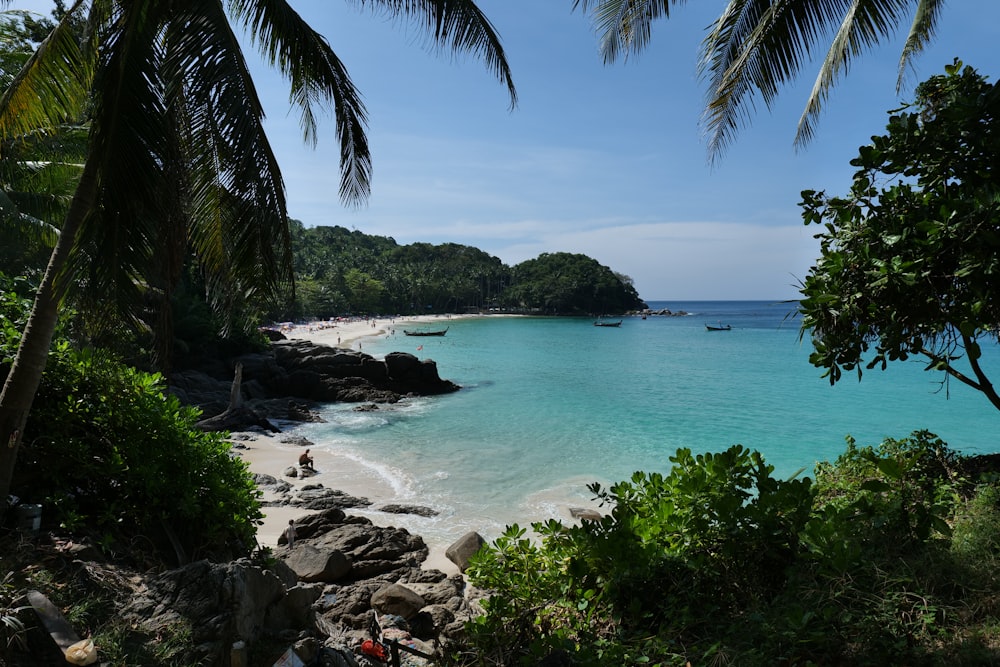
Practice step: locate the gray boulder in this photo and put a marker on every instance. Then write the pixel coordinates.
(311, 564)
(399, 600)
(464, 548)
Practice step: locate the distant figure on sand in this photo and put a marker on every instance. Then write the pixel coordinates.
(306, 461)
(290, 533)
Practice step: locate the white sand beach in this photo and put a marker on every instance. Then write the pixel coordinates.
(266, 454)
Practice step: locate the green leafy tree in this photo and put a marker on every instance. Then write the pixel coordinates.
(364, 290)
(755, 47)
(568, 283)
(910, 257)
(177, 152)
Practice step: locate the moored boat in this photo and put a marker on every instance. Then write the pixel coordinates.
(608, 324)
(426, 333)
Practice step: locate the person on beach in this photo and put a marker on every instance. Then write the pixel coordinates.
(290, 533)
(306, 461)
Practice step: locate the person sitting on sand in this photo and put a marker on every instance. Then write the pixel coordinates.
(306, 461)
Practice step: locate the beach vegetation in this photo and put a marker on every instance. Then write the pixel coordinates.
(753, 49)
(111, 456)
(909, 256)
(886, 556)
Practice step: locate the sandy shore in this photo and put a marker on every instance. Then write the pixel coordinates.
(267, 454)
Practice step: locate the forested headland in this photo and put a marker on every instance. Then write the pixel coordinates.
(340, 271)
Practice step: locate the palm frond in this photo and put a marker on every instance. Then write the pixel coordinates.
(30, 227)
(458, 25)
(318, 78)
(624, 26)
(236, 211)
(115, 245)
(757, 46)
(922, 30)
(866, 23)
(39, 172)
(51, 87)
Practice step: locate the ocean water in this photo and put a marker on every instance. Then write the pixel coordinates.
(549, 405)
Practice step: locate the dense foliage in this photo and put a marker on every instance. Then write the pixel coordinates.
(888, 557)
(341, 271)
(910, 261)
(107, 452)
(563, 282)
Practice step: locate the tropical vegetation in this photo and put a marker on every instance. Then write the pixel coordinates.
(755, 47)
(888, 557)
(113, 457)
(340, 271)
(910, 257)
(191, 170)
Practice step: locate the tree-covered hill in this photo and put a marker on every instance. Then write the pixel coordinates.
(342, 271)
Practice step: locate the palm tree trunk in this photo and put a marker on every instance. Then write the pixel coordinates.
(32, 353)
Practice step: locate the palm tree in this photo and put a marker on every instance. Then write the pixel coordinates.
(177, 155)
(756, 46)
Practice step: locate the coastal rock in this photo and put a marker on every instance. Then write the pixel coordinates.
(584, 513)
(244, 600)
(311, 564)
(464, 548)
(296, 441)
(418, 510)
(431, 620)
(324, 499)
(374, 551)
(397, 599)
(238, 419)
(218, 601)
(285, 382)
(441, 592)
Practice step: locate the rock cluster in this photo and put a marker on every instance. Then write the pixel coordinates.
(291, 376)
(340, 574)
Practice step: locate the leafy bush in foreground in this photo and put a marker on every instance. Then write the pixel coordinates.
(719, 562)
(110, 453)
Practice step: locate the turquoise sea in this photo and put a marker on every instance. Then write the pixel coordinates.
(551, 404)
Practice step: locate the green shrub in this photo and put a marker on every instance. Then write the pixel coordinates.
(976, 536)
(681, 558)
(108, 451)
(718, 562)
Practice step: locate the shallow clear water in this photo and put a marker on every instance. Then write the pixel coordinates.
(551, 404)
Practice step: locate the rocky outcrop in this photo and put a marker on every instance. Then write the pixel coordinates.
(282, 383)
(324, 591)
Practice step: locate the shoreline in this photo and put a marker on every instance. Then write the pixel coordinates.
(268, 455)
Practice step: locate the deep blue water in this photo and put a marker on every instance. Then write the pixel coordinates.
(550, 404)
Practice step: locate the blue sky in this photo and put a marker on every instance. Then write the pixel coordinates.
(608, 161)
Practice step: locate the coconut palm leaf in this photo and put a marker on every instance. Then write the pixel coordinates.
(755, 47)
(456, 24)
(318, 78)
(624, 26)
(51, 87)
